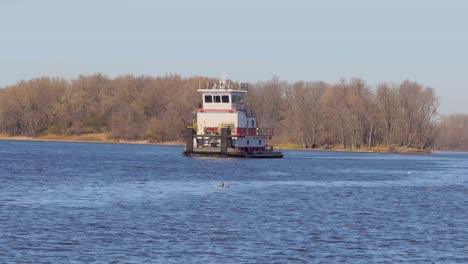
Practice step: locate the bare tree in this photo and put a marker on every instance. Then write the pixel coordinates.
(315, 114)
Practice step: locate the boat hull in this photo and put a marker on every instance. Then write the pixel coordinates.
(207, 152)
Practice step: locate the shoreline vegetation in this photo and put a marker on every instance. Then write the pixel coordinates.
(85, 138)
(377, 149)
(106, 138)
(348, 115)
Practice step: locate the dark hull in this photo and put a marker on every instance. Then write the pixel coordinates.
(235, 154)
(257, 155)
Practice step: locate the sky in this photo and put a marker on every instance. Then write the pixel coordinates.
(420, 40)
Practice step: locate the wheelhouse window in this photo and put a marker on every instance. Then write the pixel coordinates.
(248, 142)
(217, 99)
(260, 142)
(253, 123)
(236, 99)
(208, 99)
(225, 98)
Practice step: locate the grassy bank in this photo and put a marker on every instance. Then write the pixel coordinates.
(88, 137)
(376, 149)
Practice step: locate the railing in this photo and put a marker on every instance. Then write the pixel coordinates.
(260, 131)
(227, 86)
(249, 114)
(263, 131)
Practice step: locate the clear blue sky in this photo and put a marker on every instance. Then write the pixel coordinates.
(421, 40)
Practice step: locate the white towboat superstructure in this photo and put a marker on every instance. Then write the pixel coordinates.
(225, 127)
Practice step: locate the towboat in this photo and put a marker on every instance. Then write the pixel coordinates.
(225, 128)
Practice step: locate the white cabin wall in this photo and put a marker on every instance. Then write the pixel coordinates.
(250, 123)
(217, 106)
(242, 119)
(214, 119)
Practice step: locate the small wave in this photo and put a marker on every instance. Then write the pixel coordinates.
(275, 173)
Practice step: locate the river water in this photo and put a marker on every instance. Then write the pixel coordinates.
(111, 203)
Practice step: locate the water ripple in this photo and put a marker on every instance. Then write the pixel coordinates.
(94, 203)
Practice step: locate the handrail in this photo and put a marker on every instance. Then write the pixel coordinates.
(227, 86)
(264, 131)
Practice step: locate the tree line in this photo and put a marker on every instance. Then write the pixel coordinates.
(126, 107)
(349, 113)
(453, 132)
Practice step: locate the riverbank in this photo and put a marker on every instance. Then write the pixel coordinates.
(88, 137)
(106, 138)
(376, 149)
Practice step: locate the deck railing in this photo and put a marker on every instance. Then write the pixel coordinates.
(249, 114)
(260, 131)
(263, 131)
(227, 86)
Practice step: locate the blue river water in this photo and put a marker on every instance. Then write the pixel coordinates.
(112, 203)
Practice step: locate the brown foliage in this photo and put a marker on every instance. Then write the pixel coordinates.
(128, 107)
(453, 132)
(315, 114)
(350, 113)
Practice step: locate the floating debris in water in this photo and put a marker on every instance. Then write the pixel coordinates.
(223, 185)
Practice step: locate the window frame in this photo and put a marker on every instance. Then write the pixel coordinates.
(208, 96)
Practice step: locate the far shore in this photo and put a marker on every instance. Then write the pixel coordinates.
(86, 138)
(377, 149)
(366, 150)
(105, 138)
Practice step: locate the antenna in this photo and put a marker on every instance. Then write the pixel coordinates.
(223, 77)
(222, 82)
